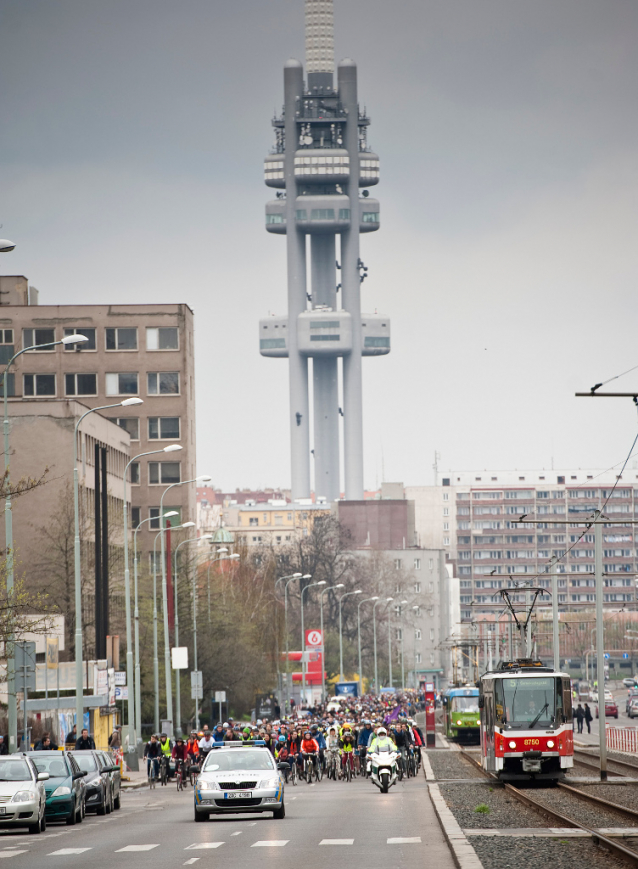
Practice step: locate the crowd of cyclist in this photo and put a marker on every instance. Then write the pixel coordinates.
(316, 742)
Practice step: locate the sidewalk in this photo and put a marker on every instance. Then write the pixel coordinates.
(136, 781)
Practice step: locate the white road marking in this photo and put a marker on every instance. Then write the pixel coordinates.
(415, 840)
(238, 833)
(137, 848)
(337, 842)
(271, 843)
(201, 846)
(12, 853)
(64, 852)
(191, 861)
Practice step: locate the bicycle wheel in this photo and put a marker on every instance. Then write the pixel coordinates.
(293, 773)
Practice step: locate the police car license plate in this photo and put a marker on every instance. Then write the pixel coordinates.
(238, 795)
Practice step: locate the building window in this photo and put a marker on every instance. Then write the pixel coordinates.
(163, 428)
(398, 564)
(131, 424)
(279, 519)
(446, 541)
(344, 214)
(80, 384)
(162, 339)
(163, 382)
(431, 588)
(136, 516)
(446, 511)
(253, 520)
(123, 383)
(163, 473)
(446, 526)
(11, 384)
(121, 339)
(446, 496)
(417, 564)
(417, 588)
(134, 473)
(7, 347)
(154, 513)
(322, 214)
(370, 217)
(38, 384)
(417, 658)
(398, 633)
(417, 611)
(85, 345)
(30, 337)
(289, 517)
(417, 634)
(431, 633)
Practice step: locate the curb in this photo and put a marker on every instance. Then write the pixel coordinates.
(135, 786)
(463, 853)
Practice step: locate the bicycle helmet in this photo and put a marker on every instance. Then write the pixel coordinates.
(282, 739)
(307, 735)
(382, 732)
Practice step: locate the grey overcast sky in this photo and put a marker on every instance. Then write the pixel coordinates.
(132, 139)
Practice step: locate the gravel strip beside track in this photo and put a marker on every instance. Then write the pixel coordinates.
(505, 811)
(450, 764)
(578, 810)
(625, 795)
(498, 853)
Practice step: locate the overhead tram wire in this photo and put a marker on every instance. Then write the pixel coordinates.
(605, 382)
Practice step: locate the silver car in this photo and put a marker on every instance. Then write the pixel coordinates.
(22, 794)
(239, 779)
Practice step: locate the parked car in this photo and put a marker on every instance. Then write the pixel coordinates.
(632, 707)
(65, 788)
(629, 682)
(611, 709)
(633, 692)
(115, 777)
(22, 794)
(98, 796)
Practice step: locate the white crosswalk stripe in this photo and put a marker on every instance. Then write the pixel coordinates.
(271, 843)
(137, 848)
(202, 846)
(65, 852)
(334, 841)
(191, 861)
(415, 840)
(13, 853)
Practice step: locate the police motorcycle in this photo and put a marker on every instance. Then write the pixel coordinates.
(382, 766)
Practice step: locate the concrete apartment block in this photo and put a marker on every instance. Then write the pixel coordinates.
(134, 350)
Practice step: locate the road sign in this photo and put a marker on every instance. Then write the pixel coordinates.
(197, 685)
(120, 678)
(25, 666)
(52, 653)
(179, 657)
(625, 654)
(121, 692)
(313, 638)
(606, 655)
(220, 696)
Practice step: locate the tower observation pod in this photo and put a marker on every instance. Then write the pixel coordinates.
(322, 167)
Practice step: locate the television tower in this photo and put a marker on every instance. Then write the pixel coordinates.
(322, 166)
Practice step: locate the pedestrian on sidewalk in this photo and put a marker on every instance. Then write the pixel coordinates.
(85, 742)
(115, 739)
(579, 715)
(588, 717)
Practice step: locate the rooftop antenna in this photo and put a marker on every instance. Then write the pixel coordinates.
(320, 52)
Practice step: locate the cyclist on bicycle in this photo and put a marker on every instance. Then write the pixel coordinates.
(152, 753)
(192, 747)
(180, 755)
(319, 738)
(365, 735)
(346, 749)
(309, 748)
(206, 744)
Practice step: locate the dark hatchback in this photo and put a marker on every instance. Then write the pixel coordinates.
(115, 777)
(65, 789)
(97, 781)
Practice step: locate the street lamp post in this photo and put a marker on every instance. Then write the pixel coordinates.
(292, 577)
(358, 591)
(303, 638)
(366, 600)
(138, 680)
(402, 604)
(127, 599)
(323, 640)
(204, 478)
(5, 247)
(374, 629)
(277, 581)
(178, 698)
(79, 689)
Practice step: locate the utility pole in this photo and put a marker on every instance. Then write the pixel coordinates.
(600, 644)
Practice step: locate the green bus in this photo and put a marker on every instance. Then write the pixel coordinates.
(461, 714)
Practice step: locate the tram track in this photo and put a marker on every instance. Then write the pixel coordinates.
(557, 819)
(628, 768)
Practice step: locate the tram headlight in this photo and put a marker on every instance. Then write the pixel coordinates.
(459, 721)
(512, 744)
(550, 743)
(479, 722)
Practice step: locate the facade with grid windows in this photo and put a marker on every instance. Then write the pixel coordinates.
(133, 350)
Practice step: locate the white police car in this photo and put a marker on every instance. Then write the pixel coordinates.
(237, 777)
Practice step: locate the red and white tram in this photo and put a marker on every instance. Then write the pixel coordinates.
(527, 729)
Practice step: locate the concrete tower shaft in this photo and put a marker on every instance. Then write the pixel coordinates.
(320, 162)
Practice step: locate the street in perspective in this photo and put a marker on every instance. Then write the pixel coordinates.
(319, 501)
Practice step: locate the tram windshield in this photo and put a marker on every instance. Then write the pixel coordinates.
(464, 704)
(527, 703)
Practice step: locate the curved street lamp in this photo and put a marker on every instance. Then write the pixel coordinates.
(292, 577)
(366, 600)
(358, 591)
(303, 638)
(323, 640)
(374, 628)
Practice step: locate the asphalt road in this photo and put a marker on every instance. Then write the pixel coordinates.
(156, 829)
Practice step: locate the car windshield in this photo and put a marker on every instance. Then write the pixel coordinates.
(464, 704)
(236, 759)
(14, 770)
(86, 762)
(527, 702)
(56, 766)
